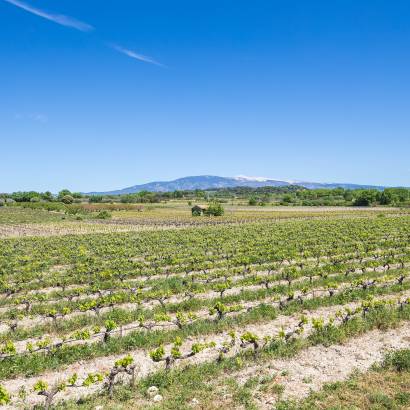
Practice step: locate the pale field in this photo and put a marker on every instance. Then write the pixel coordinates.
(18, 222)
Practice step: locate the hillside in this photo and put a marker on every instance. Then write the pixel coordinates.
(211, 181)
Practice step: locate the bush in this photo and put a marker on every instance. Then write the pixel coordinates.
(399, 360)
(72, 210)
(215, 209)
(103, 215)
(4, 396)
(95, 199)
(67, 199)
(365, 197)
(196, 212)
(287, 199)
(252, 201)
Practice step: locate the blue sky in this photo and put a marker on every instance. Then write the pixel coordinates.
(98, 95)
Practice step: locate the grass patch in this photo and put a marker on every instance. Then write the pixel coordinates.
(206, 380)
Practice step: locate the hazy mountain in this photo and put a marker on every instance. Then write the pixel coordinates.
(210, 181)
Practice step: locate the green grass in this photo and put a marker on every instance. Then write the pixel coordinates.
(207, 381)
(19, 215)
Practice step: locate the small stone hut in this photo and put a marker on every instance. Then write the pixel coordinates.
(198, 210)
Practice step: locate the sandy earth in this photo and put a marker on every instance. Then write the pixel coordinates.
(146, 365)
(318, 365)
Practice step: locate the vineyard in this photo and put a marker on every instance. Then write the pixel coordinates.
(245, 311)
(33, 220)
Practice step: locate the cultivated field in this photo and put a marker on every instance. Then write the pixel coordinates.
(19, 221)
(281, 308)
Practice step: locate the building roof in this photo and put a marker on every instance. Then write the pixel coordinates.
(202, 207)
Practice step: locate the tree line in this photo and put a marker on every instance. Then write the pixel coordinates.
(285, 196)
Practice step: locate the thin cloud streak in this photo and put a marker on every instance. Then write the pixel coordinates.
(56, 18)
(37, 117)
(134, 55)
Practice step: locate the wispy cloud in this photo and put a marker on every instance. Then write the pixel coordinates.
(134, 55)
(79, 25)
(37, 117)
(56, 18)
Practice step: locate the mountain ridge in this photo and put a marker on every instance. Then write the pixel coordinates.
(214, 182)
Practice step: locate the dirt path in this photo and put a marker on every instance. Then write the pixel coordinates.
(318, 365)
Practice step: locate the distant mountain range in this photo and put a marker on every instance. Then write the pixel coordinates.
(214, 182)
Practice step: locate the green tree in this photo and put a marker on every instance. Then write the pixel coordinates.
(96, 198)
(252, 201)
(385, 197)
(67, 199)
(63, 193)
(215, 209)
(47, 196)
(365, 197)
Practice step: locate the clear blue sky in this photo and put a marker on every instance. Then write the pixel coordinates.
(97, 95)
